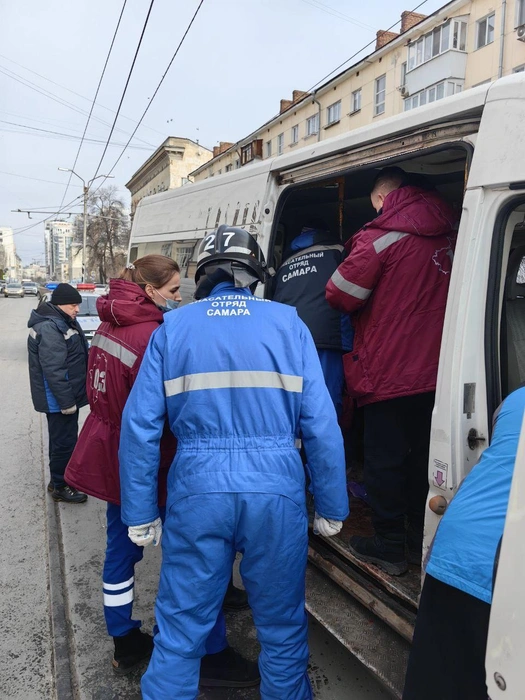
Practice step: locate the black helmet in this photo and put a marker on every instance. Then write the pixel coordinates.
(229, 244)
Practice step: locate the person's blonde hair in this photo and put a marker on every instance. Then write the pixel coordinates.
(156, 270)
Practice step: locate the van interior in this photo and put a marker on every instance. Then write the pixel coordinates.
(343, 202)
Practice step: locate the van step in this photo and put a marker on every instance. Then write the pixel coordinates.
(407, 587)
(381, 650)
(398, 615)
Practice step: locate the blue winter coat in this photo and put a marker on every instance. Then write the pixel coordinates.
(467, 539)
(240, 380)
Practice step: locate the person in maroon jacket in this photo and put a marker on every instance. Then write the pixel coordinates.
(395, 283)
(130, 313)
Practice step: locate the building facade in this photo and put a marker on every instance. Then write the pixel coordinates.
(10, 262)
(35, 272)
(58, 239)
(168, 168)
(464, 44)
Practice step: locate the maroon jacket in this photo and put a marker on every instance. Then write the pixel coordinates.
(395, 282)
(129, 317)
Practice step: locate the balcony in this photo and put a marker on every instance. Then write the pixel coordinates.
(451, 64)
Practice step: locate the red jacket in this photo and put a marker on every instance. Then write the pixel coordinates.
(129, 318)
(395, 283)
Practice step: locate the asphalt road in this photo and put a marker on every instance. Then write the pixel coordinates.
(54, 643)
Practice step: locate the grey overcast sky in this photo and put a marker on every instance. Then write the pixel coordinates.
(239, 59)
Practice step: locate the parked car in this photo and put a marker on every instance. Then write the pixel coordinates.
(87, 318)
(14, 289)
(30, 288)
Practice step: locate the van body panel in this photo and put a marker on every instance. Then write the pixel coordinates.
(506, 641)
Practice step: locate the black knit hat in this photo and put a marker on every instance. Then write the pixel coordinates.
(65, 294)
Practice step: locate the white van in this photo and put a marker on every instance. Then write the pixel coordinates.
(472, 148)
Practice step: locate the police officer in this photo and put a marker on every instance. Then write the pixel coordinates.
(240, 381)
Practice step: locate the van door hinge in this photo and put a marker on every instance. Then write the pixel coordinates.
(474, 439)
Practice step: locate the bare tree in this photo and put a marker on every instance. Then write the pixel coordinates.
(108, 232)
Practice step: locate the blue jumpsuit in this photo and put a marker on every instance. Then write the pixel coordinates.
(240, 380)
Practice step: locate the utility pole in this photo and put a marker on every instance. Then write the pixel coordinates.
(86, 187)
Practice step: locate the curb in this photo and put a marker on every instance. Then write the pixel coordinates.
(62, 667)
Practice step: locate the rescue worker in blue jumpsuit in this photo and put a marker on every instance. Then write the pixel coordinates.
(240, 382)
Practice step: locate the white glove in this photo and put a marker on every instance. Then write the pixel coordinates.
(326, 527)
(68, 411)
(146, 534)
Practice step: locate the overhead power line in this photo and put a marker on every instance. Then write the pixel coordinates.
(125, 86)
(65, 135)
(319, 82)
(51, 216)
(94, 102)
(51, 96)
(77, 94)
(156, 89)
(37, 179)
(329, 10)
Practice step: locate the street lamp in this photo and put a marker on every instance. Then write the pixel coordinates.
(86, 194)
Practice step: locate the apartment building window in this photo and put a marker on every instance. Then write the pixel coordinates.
(268, 149)
(519, 69)
(280, 144)
(451, 35)
(356, 101)
(333, 113)
(246, 153)
(295, 134)
(184, 254)
(403, 74)
(166, 249)
(237, 163)
(432, 94)
(312, 125)
(228, 168)
(380, 95)
(485, 31)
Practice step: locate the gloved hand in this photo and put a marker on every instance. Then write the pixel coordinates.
(68, 411)
(326, 527)
(146, 534)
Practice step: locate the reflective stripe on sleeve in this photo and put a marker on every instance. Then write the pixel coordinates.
(247, 379)
(349, 287)
(113, 601)
(118, 586)
(387, 240)
(113, 348)
(32, 333)
(71, 332)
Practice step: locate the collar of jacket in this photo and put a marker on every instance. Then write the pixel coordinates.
(229, 288)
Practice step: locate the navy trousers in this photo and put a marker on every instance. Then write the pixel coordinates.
(63, 434)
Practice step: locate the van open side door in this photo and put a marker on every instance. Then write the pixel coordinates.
(506, 643)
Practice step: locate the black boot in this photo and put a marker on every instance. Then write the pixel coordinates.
(50, 487)
(68, 494)
(131, 651)
(235, 599)
(228, 669)
(388, 553)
